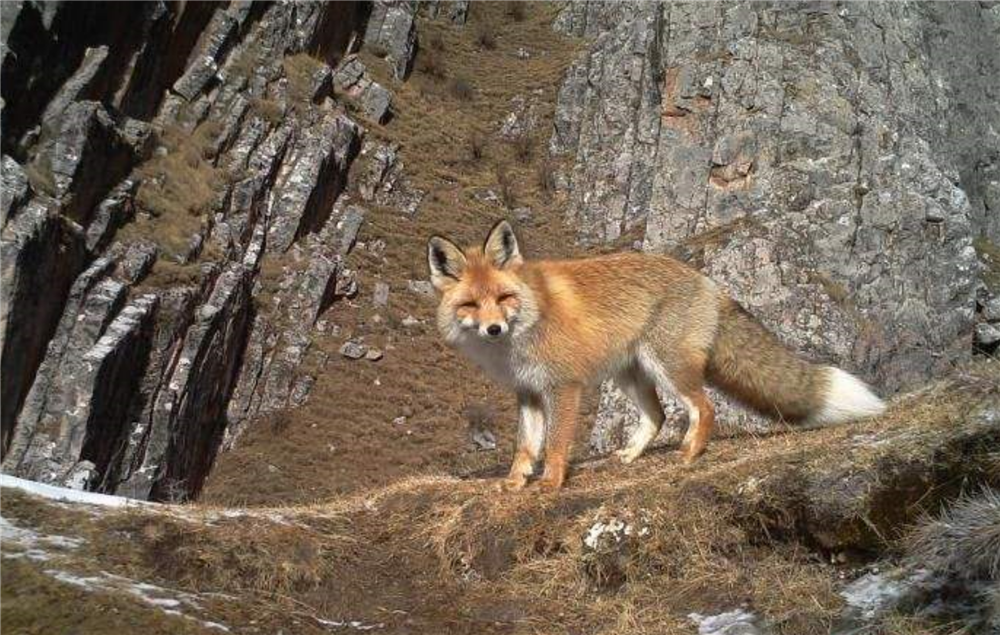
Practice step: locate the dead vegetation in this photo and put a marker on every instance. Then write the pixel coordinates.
(300, 70)
(624, 549)
(461, 89)
(477, 143)
(179, 186)
(268, 109)
(486, 36)
(429, 63)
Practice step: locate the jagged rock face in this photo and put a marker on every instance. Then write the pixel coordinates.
(150, 173)
(830, 164)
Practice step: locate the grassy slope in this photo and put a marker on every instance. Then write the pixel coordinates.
(444, 555)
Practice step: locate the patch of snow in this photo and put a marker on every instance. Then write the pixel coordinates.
(355, 624)
(615, 529)
(31, 542)
(874, 593)
(736, 622)
(53, 492)
(160, 598)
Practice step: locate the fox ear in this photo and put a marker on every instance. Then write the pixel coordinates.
(445, 260)
(501, 246)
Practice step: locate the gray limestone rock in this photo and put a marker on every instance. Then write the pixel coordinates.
(797, 156)
(391, 33)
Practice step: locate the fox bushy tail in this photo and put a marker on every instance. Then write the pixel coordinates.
(749, 363)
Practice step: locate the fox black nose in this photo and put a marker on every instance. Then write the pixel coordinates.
(493, 329)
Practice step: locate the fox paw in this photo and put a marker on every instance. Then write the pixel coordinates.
(691, 454)
(627, 455)
(550, 483)
(512, 483)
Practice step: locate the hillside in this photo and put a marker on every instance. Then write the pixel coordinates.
(772, 526)
(216, 313)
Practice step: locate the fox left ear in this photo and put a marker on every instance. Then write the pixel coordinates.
(501, 246)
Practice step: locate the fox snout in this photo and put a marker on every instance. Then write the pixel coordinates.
(493, 331)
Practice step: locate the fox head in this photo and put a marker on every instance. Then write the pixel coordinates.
(482, 294)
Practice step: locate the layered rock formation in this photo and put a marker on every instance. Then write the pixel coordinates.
(835, 165)
(156, 158)
(183, 186)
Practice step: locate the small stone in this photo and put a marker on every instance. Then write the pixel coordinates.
(522, 214)
(423, 287)
(483, 439)
(381, 294)
(352, 349)
(987, 334)
(991, 310)
(373, 355)
(409, 321)
(399, 421)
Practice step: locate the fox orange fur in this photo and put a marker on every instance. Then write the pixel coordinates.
(548, 328)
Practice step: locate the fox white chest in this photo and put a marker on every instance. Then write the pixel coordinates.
(505, 364)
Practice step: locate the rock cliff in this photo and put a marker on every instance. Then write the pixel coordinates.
(163, 164)
(835, 165)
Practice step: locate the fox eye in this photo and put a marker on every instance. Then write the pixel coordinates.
(471, 304)
(505, 296)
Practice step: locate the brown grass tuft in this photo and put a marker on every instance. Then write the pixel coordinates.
(299, 69)
(270, 110)
(40, 176)
(477, 143)
(430, 64)
(243, 554)
(505, 184)
(178, 188)
(461, 89)
(486, 36)
(545, 178)
(524, 146)
(516, 11)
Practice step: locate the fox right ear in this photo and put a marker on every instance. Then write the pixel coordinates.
(445, 260)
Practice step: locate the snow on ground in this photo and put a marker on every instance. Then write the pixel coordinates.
(65, 494)
(737, 622)
(30, 544)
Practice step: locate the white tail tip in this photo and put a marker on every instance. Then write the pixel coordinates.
(847, 398)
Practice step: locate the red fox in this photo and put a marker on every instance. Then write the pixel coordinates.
(548, 328)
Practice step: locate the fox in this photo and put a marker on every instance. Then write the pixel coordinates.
(548, 329)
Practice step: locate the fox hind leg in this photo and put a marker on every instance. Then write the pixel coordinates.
(639, 388)
(681, 368)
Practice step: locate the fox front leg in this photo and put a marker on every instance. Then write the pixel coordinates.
(565, 414)
(530, 441)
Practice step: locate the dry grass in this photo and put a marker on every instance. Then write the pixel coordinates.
(270, 110)
(545, 178)
(461, 89)
(989, 254)
(300, 70)
(40, 176)
(486, 36)
(477, 143)
(505, 185)
(524, 146)
(516, 11)
(430, 64)
(178, 188)
(244, 554)
(443, 551)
